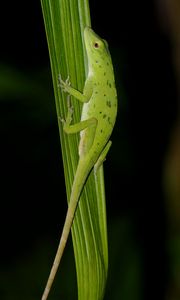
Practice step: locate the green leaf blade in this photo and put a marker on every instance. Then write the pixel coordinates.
(64, 23)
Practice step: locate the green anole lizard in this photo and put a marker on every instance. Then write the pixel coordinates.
(99, 111)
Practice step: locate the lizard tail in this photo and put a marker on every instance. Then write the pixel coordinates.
(79, 181)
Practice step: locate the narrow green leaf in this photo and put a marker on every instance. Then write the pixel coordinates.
(64, 23)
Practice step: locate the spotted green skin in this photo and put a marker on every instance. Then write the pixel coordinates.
(97, 121)
(101, 92)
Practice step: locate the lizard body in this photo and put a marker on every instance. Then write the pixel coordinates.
(99, 111)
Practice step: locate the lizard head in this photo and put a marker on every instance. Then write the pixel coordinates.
(97, 48)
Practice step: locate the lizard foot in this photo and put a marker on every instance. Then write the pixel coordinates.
(64, 85)
(70, 110)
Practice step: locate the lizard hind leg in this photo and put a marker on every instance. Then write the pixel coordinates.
(102, 157)
(69, 113)
(77, 127)
(67, 121)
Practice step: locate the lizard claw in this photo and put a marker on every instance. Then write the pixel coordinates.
(64, 85)
(67, 121)
(61, 120)
(67, 81)
(69, 105)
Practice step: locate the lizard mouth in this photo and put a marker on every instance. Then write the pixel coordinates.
(87, 31)
(89, 36)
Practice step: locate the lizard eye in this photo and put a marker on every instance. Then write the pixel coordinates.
(96, 45)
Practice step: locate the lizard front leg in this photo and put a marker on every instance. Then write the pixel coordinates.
(82, 97)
